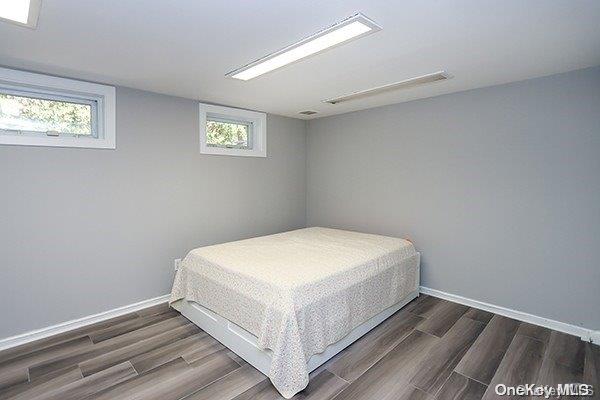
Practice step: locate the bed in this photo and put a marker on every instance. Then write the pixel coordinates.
(286, 303)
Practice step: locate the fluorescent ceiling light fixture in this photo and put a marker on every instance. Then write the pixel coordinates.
(352, 28)
(405, 84)
(20, 12)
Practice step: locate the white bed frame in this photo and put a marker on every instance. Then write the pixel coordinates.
(243, 343)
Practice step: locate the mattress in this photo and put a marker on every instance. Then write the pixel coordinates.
(299, 291)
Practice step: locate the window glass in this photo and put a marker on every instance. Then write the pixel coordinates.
(228, 134)
(31, 114)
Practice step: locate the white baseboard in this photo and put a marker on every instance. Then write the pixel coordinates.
(78, 323)
(595, 337)
(585, 334)
(588, 335)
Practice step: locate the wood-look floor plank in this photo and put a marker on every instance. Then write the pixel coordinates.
(445, 355)
(92, 384)
(22, 387)
(412, 393)
(66, 360)
(128, 326)
(388, 378)
(13, 376)
(356, 359)
(416, 301)
(161, 355)
(145, 332)
(157, 309)
(197, 376)
(552, 372)
(534, 331)
(482, 359)
(261, 391)
(567, 350)
(323, 386)
(41, 344)
(479, 315)
(460, 387)
(520, 364)
(204, 371)
(34, 391)
(442, 319)
(129, 388)
(591, 369)
(236, 358)
(563, 360)
(424, 305)
(116, 356)
(32, 358)
(230, 386)
(207, 345)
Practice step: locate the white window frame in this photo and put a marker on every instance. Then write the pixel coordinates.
(32, 15)
(102, 98)
(258, 121)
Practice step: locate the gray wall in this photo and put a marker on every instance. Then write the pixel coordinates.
(84, 231)
(498, 187)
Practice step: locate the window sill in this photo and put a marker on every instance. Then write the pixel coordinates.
(223, 151)
(88, 143)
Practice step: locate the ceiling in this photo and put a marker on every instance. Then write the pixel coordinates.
(185, 47)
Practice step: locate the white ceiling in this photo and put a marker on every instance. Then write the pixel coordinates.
(185, 47)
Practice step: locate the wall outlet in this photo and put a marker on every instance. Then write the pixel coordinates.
(176, 263)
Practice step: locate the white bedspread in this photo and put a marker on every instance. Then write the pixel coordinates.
(299, 291)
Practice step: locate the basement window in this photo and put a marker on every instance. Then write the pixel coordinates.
(231, 131)
(41, 110)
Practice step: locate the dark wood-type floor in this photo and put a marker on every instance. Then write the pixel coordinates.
(431, 349)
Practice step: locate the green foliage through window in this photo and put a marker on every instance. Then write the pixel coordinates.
(227, 134)
(40, 115)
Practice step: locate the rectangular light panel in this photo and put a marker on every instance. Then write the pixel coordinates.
(342, 32)
(20, 12)
(405, 84)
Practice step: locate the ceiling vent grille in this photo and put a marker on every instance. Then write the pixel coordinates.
(405, 84)
(308, 112)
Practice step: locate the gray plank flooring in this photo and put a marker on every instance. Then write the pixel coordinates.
(460, 387)
(446, 354)
(520, 364)
(430, 350)
(484, 356)
(443, 318)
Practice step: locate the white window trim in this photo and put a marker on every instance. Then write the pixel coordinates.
(259, 130)
(32, 16)
(50, 85)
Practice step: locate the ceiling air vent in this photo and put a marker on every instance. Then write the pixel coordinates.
(405, 84)
(308, 112)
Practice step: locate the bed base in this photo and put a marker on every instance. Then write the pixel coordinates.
(243, 343)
